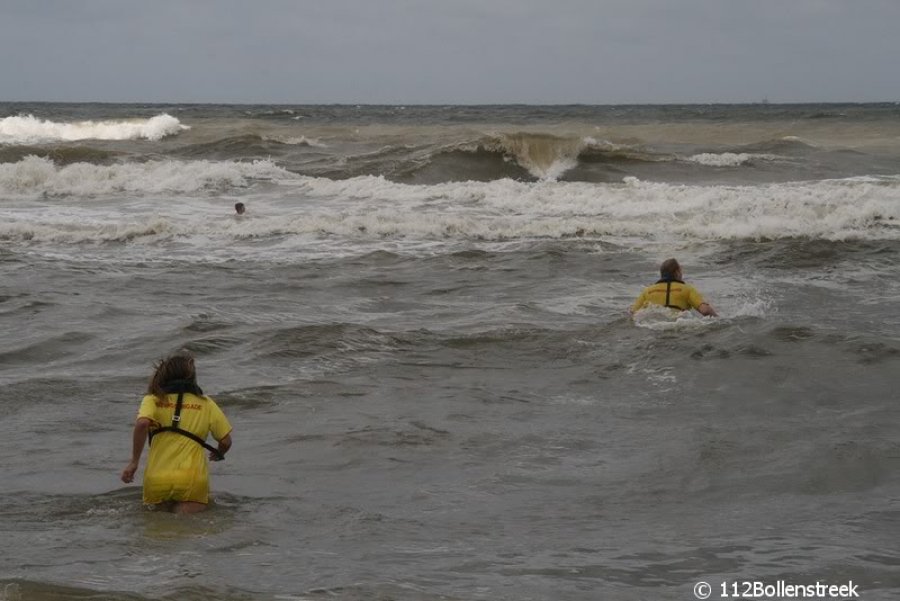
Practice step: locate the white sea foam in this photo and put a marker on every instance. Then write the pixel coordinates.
(730, 159)
(600, 144)
(27, 129)
(36, 176)
(661, 318)
(302, 210)
(556, 169)
(608, 146)
(297, 141)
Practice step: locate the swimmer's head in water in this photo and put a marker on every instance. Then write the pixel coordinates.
(239, 208)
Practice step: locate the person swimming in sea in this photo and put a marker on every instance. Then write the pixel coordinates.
(671, 291)
(239, 208)
(175, 418)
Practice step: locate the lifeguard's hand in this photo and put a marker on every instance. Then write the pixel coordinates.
(128, 472)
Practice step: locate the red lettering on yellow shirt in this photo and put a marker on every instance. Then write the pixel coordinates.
(167, 404)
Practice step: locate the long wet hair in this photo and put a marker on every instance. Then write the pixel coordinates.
(176, 370)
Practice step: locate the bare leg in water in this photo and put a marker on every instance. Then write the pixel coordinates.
(188, 507)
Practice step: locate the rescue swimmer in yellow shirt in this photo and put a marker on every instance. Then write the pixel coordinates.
(671, 291)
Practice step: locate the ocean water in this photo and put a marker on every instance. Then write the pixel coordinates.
(419, 332)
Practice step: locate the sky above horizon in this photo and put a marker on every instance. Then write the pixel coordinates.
(454, 52)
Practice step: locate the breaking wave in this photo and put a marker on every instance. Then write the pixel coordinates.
(301, 208)
(548, 157)
(36, 176)
(28, 129)
(59, 154)
(730, 159)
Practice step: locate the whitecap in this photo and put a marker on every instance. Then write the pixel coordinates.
(730, 159)
(28, 129)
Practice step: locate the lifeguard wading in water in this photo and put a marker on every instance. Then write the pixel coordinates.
(175, 417)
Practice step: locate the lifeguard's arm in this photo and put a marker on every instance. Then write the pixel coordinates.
(698, 302)
(706, 310)
(138, 436)
(638, 304)
(224, 445)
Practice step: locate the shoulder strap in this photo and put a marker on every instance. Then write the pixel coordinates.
(176, 419)
(668, 283)
(216, 454)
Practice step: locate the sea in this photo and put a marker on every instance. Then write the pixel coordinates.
(419, 330)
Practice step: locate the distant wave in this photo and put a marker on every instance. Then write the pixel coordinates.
(252, 145)
(730, 159)
(28, 129)
(609, 152)
(59, 154)
(544, 157)
(865, 208)
(296, 141)
(786, 145)
(826, 115)
(36, 176)
(406, 156)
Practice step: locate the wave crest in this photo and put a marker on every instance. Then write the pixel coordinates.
(301, 209)
(28, 129)
(548, 157)
(730, 159)
(36, 176)
(545, 156)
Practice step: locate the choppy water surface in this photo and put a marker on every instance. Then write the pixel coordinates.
(419, 333)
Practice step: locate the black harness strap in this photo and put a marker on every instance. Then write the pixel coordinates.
(176, 419)
(669, 290)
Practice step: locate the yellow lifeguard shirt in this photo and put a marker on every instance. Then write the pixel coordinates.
(177, 468)
(681, 296)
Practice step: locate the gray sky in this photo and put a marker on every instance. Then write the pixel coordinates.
(455, 51)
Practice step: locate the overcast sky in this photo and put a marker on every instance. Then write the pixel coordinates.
(450, 52)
